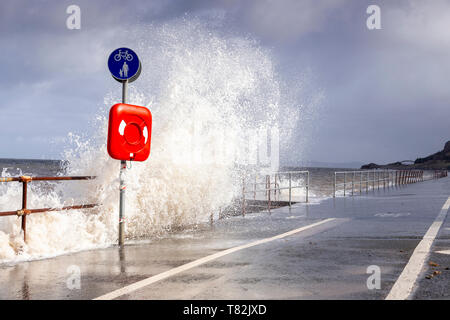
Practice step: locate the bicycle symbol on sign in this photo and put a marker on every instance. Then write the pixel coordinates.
(125, 55)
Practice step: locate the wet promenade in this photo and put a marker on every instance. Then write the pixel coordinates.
(319, 250)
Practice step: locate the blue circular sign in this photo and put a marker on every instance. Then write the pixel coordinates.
(124, 64)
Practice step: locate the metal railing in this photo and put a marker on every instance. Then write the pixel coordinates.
(273, 179)
(25, 211)
(376, 179)
(271, 183)
(440, 174)
(363, 179)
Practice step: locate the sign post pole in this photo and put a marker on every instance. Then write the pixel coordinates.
(123, 167)
(125, 67)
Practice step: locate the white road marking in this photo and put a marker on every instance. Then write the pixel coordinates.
(404, 285)
(443, 251)
(164, 275)
(392, 215)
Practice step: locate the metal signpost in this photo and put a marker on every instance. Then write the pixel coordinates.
(125, 67)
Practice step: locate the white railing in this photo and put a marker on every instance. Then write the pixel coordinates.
(354, 181)
(374, 179)
(272, 187)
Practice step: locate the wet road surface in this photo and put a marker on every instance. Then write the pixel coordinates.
(326, 261)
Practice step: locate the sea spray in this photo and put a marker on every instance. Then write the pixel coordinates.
(206, 91)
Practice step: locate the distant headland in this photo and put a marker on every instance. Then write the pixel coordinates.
(437, 161)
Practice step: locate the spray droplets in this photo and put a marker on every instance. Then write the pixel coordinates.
(207, 91)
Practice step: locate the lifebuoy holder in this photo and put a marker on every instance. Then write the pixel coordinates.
(129, 132)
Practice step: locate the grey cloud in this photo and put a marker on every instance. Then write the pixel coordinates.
(385, 92)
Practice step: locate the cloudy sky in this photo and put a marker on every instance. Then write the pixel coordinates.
(384, 94)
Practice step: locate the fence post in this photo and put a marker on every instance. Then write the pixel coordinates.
(24, 207)
(290, 189)
(268, 199)
(345, 180)
(353, 183)
(254, 188)
(378, 180)
(243, 196)
(367, 181)
(373, 181)
(388, 178)
(307, 187)
(275, 187)
(334, 193)
(360, 182)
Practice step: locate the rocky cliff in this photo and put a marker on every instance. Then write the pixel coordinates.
(438, 160)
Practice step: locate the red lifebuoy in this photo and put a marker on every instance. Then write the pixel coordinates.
(129, 132)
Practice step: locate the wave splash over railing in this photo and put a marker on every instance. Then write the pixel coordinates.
(206, 90)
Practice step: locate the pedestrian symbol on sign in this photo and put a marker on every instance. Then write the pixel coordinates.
(125, 70)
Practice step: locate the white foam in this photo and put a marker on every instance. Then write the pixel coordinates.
(196, 79)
